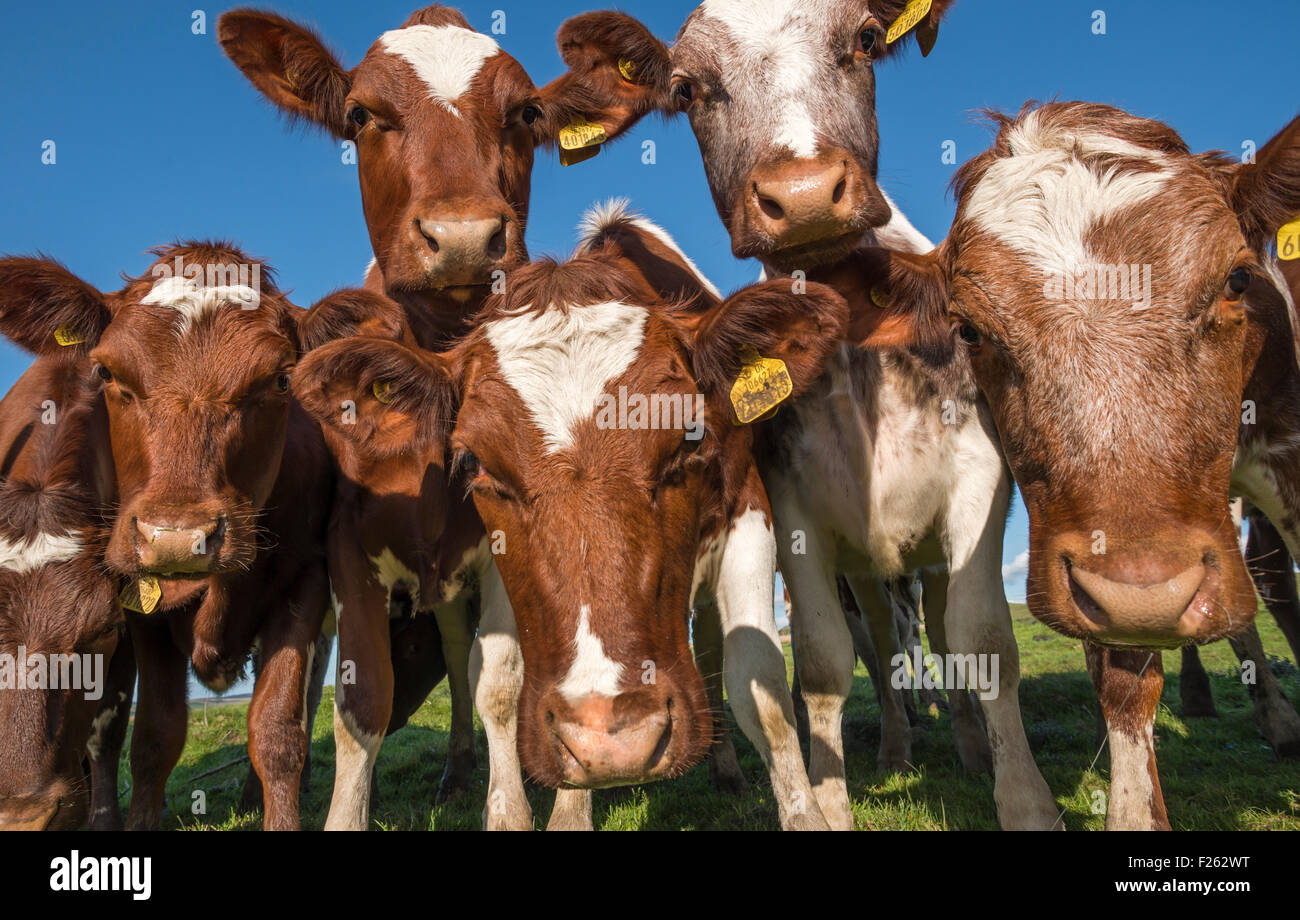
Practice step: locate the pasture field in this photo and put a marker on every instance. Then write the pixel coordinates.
(1218, 774)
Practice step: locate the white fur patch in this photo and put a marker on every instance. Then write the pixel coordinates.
(391, 571)
(191, 299)
(43, 549)
(1043, 200)
(593, 673)
(446, 58)
(560, 361)
(780, 40)
(602, 217)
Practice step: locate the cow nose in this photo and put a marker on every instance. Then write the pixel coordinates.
(168, 545)
(601, 744)
(465, 250)
(796, 202)
(1142, 600)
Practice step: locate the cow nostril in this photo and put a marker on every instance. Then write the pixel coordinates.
(497, 244)
(769, 206)
(433, 243)
(839, 191)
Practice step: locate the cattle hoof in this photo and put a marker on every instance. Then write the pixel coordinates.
(806, 822)
(894, 759)
(724, 770)
(1280, 725)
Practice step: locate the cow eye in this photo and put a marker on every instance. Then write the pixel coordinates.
(530, 114)
(969, 334)
(104, 373)
(359, 116)
(1237, 284)
(282, 383)
(684, 92)
(468, 465)
(867, 39)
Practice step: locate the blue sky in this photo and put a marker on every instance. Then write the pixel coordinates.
(158, 136)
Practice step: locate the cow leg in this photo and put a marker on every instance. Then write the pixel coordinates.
(250, 794)
(572, 811)
(1128, 684)
(800, 705)
(363, 689)
(969, 733)
(457, 637)
(824, 659)
(895, 730)
(977, 627)
(1194, 687)
(1274, 572)
(863, 647)
(161, 719)
(320, 663)
(755, 669)
(107, 735)
(1275, 717)
(277, 715)
(496, 675)
(724, 766)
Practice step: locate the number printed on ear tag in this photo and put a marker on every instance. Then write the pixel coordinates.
(1288, 241)
(142, 595)
(762, 385)
(66, 335)
(914, 13)
(580, 134)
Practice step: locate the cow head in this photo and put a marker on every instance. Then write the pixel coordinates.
(193, 359)
(593, 428)
(445, 124)
(1112, 293)
(781, 95)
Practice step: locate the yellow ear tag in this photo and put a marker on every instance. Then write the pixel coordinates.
(913, 13)
(762, 385)
(627, 69)
(142, 595)
(383, 391)
(1288, 241)
(880, 297)
(580, 140)
(66, 335)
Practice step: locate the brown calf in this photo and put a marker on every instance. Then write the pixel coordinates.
(214, 466)
(1136, 341)
(66, 675)
(605, 527)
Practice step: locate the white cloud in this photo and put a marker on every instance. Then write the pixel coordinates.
(1013, 577)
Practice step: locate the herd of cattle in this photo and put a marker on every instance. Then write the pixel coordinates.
(445, 468)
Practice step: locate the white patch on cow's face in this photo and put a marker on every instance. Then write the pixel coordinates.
(779, 44)
(391, 571)
(561, 361)
(191, 299)
(42, 549)
(1043, 200)
(602, 217)
(593, 673)
(446, 58)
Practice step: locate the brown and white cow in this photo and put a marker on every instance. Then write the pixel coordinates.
(222, 483)
(890, 463)
(605, 524)
(446, 125)
(67, 672)
(1118, 302)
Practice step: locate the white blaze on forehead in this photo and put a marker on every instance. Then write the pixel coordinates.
(603, 217)
(560, 361)
(446, 58)
(593, 673)
(191, 299)
(779, 44)
(1043, 200)
(42, 549)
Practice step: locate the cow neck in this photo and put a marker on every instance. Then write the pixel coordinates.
(439, 320)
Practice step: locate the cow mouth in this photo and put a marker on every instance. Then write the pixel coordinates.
(1197, 625)
(807, 255)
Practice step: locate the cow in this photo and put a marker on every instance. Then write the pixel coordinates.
(222, 487)
(606, 527)
(1135, 338)
(446, 125)
(889, 464)
(58, 608)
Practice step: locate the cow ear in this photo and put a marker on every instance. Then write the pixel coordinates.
(896, 299)
(904, 20)
(1266, 193)
(384, 397)
(618, 74)
(796, 323)
(289, 64)
(351, 312)
(47, 310)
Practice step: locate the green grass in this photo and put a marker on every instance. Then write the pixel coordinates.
(1217, 773)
